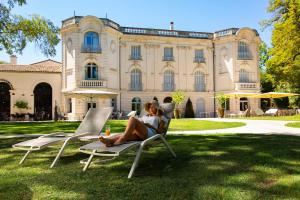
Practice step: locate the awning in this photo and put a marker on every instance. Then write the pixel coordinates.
(89, 93)
(240, 94)
(275, 95)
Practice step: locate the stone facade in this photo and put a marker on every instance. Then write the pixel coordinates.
(229, 63)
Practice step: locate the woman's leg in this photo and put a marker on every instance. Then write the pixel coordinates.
(135, 130)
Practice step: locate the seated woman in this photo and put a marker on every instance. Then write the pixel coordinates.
(139, 129)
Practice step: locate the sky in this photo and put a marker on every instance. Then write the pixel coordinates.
(188, 15)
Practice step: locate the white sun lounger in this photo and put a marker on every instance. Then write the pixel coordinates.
(99, 149)
(92, 124)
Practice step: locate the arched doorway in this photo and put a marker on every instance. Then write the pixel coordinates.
(4, 101)
(168, 100)
(43, 101)
(200, 108)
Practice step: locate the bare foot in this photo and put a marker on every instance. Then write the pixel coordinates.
(108, 142)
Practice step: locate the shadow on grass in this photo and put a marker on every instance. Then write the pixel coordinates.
(206, 167)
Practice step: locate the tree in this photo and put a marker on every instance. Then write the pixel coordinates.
(284, 63)
(16, 31)
(266, 80)
(177, 98)
(189, 111)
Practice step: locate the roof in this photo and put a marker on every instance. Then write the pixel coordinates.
(48, 66)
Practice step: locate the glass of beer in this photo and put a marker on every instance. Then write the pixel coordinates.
(107, 130)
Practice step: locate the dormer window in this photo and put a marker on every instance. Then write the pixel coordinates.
(91, 43)
(244, 52)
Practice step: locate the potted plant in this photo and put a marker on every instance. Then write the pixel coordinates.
(221, 99)
(21, 105)
(177, 98)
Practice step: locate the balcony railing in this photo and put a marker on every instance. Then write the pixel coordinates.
(247, 77)
(168, 58)
(90, 49)
(132, 57)
(93, 84)
(247, 86)
(199, 60)
(133, 87)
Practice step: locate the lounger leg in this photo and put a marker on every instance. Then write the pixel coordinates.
(89, 161)
(24, 157)
(136, 161)
(168, 146)
(59, 153)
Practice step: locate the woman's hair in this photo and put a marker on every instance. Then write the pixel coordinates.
(159, 112)
(147, 107)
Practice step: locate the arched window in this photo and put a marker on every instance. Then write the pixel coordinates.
(200, 108)
(168, 100)
(244, 52)
(136, 105)
(136, 79)
(91, 42)
(199, 81)
(244, 76)
(169, 80)
(91, 71)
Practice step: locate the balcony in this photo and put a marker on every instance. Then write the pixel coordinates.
(134, 57)
(247, 86)
(92, 84)
(90, 49)
(133, 87)
(168, 58)
(199, 60)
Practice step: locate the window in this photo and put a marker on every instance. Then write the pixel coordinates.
(136, 105)
(168, 54)
(243, 104)
(244, 76)
(135, 53)
(136, 80)
(113, 104)
(91, 71)
(199, 81)
(168, 80)
(69, 105)
(244, 51)
(91, 43)
(199, 56)
(91, 105)
(200, 108)
(227, 104)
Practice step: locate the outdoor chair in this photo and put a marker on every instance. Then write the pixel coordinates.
(92, 124)
(271, 112)
(99, 149)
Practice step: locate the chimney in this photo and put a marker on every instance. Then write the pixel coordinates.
(171, 26)
(13, 59)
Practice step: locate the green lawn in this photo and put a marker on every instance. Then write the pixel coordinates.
(293, 124)
(283, 118)
(206, 167)
(116, 126)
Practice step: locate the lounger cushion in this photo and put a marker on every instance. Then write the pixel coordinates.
(39, 142)
(100, 147)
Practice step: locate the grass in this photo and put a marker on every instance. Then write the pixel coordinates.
(116, 126)
(293, 124)
(206, 167)
(283, 118)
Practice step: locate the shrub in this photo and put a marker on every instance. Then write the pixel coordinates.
(189, 111)
(21, 104)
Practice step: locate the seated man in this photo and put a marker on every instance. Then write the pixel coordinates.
(140, 129)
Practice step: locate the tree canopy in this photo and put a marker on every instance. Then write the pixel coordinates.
(284, 63)
(16, 31)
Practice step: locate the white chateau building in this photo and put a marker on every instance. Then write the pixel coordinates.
(105, 64)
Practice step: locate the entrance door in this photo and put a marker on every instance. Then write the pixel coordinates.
(4, 101)
(43, 101)
(200, 108)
